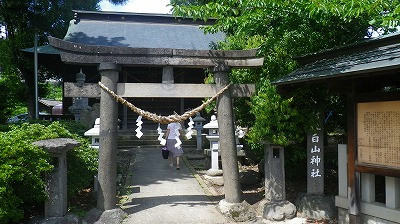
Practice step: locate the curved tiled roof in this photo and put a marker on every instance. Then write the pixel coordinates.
(370, 56)
(139, 31)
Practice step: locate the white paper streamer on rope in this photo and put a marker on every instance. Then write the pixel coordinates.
(160, 136)
(190, 131)
(178, 141)
(139, 123)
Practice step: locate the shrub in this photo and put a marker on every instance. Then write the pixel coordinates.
(21, 169)
(22, 166)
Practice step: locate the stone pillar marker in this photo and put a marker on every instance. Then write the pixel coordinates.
(232, 206)
(275, 207)
(107, 172)
(315, 204)
(56, 205)
(315, 162)
(274, 174)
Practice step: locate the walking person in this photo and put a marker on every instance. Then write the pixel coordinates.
(173, 132)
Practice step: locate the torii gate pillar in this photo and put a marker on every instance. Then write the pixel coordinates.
(227, 141)
(107, 172)
(232, 206)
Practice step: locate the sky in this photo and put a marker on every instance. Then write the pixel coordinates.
(2, 32)
(141, 6)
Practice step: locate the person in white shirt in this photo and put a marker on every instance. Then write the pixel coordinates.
(173, 132)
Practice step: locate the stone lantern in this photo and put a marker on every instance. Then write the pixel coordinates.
(95, 134)
(213, 137)
(80, 104)
(198, 125)
(56, 204)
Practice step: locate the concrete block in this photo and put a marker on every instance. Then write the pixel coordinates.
(392, 192)
(367, 187)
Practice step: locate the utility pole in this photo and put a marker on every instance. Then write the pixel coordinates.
(36, 65)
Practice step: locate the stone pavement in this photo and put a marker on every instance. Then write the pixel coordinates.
(162, 194)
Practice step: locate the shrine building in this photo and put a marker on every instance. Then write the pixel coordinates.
(120, 30)
(367, 73)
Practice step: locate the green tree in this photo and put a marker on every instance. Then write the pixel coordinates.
(282, 30)
(22, 18)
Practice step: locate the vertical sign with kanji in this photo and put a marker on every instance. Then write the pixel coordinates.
(315, 162)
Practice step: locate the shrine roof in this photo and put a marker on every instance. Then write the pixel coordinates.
(134, 39)
(362, 58)
(44, 49)
(137, 30)
(49, 102)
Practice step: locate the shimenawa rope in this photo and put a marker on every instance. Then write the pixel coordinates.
(163, 119)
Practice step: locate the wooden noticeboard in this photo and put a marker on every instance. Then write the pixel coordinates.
(378, 133)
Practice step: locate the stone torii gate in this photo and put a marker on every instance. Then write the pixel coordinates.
(109, 61)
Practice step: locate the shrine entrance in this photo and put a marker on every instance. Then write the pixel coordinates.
(110, 60)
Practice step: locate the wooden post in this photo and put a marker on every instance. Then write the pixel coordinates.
(125, 109)
(227, 136)
(182, 100)
(342, 169)
(353, 177)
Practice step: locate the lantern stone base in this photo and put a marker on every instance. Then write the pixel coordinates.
(215, 180)
(68, 218)
(239, 212)
(277, 211)
(317, 207)
(112, 216)
(214, 172)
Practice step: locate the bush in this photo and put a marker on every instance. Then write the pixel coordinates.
(22, 166)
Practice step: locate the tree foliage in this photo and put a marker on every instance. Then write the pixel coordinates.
(22, 19)
(22, 166)
(282, 30)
